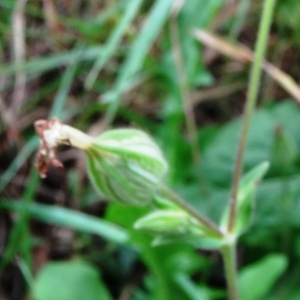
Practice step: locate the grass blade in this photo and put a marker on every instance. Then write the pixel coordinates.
(18, 162)
(71, 219)
(156, 19)
(114, 40)
(40, 65)
(62, 94)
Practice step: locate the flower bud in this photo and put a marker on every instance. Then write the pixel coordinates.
(125, 165)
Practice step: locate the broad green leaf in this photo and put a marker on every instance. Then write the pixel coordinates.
(277, 195)
(246, 199)
(219, 157)
(69, 280)
(256, 280)
(284, 152)
(71, 219)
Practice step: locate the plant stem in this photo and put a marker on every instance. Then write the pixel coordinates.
(250, 104)
(162, 291)
(229, 257)
(172, 196)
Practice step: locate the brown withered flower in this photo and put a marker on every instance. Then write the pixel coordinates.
(46, 154)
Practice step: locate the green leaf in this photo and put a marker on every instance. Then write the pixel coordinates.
(192, 291)
(256, 280)
(126, 166)
(201, 242)
(246, 199)
(71, 280)
(174, 226)
(170, 222)
(284, 152)
(277, 195)
(164, 203)
(72, 219)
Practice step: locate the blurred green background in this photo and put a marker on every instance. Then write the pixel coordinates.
(108, 64)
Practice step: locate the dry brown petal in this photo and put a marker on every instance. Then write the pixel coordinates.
(46, 155)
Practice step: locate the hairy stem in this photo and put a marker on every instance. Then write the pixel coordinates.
(250, 104)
